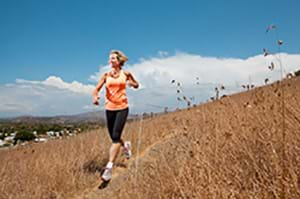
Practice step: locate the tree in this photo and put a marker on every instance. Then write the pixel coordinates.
(24, 135)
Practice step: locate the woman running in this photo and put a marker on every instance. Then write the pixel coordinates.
(116, 105)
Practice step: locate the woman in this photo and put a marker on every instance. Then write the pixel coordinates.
(116, 105)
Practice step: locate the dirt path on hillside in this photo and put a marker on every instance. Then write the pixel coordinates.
(120, 173)
(122, 169)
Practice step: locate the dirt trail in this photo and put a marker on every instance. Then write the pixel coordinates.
(122, 170)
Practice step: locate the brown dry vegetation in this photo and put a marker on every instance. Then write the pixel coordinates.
(236, 147)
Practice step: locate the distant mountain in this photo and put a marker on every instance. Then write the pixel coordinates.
(89, 117)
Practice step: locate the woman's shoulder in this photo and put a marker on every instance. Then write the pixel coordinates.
(104, 76)
(126, 72)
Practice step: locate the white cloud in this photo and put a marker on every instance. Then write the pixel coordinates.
(198, 76)
(95, 77)
(57, 82)
(52, 96)
(12, 107)
(159, 71)
(155, 75)
(163, 53)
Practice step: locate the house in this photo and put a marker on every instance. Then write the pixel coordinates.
(9, 138)
(2, 143)
(50, 133)
(40, 140)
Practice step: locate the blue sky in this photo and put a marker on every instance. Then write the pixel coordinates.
(71, 39)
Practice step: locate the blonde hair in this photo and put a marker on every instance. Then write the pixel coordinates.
(122, 58)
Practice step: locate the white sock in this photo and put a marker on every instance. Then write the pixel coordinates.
(110, 165)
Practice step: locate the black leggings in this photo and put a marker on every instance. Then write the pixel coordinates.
(115, 123)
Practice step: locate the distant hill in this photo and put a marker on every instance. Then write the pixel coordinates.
(89, 117)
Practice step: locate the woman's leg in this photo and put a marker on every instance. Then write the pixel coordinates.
(115, 123)
(110, 121)
(114, 151)
(119, 123)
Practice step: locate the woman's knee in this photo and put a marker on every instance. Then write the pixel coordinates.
(116, 138)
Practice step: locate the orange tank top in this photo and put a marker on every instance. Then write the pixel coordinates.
(116, 98)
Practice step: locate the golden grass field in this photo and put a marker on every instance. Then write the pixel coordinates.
(242, 146)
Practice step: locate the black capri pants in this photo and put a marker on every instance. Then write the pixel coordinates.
(116, 120)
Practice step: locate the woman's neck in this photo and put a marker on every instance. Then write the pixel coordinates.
(115, 71)
(116, 68)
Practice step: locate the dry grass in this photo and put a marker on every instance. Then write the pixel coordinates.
(53, 169)
(236, 147)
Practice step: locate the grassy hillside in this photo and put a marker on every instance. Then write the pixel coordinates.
(242, 146)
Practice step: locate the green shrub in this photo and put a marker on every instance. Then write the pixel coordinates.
(297, 73)
(56, 128)
(40, 129)
(24, 135)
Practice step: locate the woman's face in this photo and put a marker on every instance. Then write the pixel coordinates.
(113, 60)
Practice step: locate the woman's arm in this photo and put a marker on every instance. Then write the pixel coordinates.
(98, 88)
(131, 81)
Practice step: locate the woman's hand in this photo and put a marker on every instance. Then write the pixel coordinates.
(133, 84)
(131, 81)
(96, 100)
(98, 88)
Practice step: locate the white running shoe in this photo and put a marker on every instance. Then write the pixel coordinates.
(106, 176)
(127, 149)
